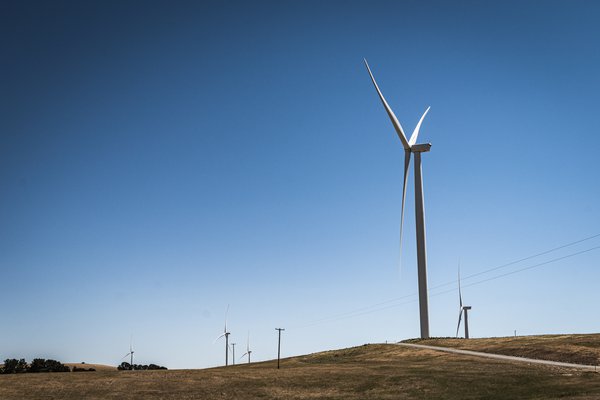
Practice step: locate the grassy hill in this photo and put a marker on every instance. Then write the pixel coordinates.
(365, 372)
(97, 367)
(578, 349)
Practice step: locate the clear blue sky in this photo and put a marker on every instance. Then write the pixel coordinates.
(159, 160)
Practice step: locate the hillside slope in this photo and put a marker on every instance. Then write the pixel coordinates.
(577, 349)
(364, 372)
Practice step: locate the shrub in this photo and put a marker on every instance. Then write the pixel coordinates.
(42, 365)
(14, 366)
(125, 366)
(77, 369)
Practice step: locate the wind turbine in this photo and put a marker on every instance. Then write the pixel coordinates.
(130, 353)
(248, 351)
(226, 334)
(411, 147)
(464, 309)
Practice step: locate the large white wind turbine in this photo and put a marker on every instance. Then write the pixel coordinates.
(411, 147)
(463, 309)
(248, 351)
(130, 353)
(226, 334)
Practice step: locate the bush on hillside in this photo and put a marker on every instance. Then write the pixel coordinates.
(42, 365)
(77, 369)
(125, 366)
(14, 366)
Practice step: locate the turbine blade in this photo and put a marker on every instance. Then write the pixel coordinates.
(459, 319)
(415, 134)
(220, 336)
(243, 355)
(389, 111)
(459, 292)
(406, 166)
(226, 312)
(126, 355)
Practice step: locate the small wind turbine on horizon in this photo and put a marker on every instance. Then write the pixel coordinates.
(130, 353)
(463, 309)
(226, 334)
(411, 147)
(248, 351)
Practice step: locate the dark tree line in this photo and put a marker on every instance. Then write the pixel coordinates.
(14, 366)
(125, 366)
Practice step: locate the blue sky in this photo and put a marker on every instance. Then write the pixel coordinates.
(159, 162)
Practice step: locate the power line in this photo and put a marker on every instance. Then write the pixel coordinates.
(520, 260)
(375, 307)
(533, 266)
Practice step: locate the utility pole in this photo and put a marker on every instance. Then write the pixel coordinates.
(233, 350)
(279, 345)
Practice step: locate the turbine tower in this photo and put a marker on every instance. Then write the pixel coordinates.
(226, 334)
(411, 147)
(248, 351)
(463, 309)
(233, 353)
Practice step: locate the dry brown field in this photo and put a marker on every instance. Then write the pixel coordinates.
(380, 371)
(578, 349)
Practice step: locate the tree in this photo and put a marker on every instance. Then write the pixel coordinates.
(125, 366)
(42, 365)
(37, 365)
(14, 366)
(21, 366)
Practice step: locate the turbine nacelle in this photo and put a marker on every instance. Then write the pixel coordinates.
(420, 148)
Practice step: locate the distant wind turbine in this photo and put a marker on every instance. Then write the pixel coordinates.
(410, 147)
(130, 353)
(248, 351)
(226, 334)
(463, 309)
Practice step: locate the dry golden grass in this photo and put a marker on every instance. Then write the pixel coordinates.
(364, 372)
(578, 349)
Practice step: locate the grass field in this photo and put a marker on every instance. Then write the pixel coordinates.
(578, 349)
(365, 372)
